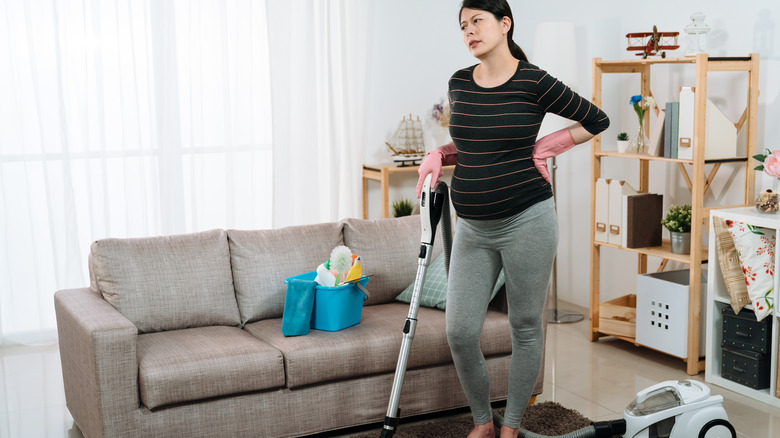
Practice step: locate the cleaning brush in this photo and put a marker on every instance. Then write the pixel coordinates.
(341, 261)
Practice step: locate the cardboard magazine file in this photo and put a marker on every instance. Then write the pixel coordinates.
(602, 211)
(720, 136)
(685, 124)
(642, 214)
(617, 189)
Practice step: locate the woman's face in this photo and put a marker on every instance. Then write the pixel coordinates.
(482, 33)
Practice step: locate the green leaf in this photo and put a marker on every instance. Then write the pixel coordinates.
(760, 157)
(759, 168)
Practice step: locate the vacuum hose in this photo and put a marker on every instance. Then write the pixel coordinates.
(596, 429)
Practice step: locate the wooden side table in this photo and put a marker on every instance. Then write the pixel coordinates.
(381, 173)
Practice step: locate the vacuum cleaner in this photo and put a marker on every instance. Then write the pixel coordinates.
(433, 204)
(671, 409)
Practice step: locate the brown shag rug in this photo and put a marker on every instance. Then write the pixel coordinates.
(546, 418)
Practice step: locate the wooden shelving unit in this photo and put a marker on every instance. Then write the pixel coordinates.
(698, 182)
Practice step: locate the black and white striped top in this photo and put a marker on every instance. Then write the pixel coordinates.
(494, 131)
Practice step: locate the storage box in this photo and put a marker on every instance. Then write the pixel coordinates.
(746, 367)
(662, 311)
(618, 317)
(335, 308)
(742, 331)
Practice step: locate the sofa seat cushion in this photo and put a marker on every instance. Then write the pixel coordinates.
(168, 282)
(263, 259)
(199, 363)
(372, 346)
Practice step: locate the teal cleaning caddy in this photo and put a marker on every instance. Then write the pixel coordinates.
(335, 308)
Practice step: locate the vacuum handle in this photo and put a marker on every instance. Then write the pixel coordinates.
(426, 215)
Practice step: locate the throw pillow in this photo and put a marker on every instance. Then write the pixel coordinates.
(756, 251)
(730, 268)
(434, 292)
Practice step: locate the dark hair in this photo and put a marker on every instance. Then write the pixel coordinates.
(499, 9)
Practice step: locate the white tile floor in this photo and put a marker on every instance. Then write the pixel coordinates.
(595, 378)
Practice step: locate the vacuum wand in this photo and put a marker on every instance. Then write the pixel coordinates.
(432, 204)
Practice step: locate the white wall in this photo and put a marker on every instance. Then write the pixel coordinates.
(417, 46)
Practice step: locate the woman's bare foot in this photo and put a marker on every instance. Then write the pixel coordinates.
(483, 431)
(508, 432)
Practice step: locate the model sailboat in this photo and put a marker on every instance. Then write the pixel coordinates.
(407, 142)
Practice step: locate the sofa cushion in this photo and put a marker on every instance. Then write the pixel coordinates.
(168, 282)
(390, 249)
(372, 346)
(200, 363)
(263, 259)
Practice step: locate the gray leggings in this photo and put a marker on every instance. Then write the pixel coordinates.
(525, 245)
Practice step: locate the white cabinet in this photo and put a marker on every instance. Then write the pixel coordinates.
(718, 298)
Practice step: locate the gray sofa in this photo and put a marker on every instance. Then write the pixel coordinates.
(181, 336)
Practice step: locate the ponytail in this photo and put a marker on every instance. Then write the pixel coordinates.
(516, 51)
(499, 9)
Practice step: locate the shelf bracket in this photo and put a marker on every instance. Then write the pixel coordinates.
(711, 176)
(662, 266)
(685, 175)
(741, 120)
(707, 182)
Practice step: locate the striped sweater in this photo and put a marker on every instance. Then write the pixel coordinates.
(494, 131)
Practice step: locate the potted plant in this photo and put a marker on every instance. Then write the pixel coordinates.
(678, 222)
(622, 142)
(402, 207)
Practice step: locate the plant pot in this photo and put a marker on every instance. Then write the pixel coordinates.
(622, 146)
(681, 242)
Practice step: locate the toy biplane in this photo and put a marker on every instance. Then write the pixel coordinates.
(652, 43)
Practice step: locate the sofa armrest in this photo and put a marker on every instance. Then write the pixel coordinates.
(99, 364)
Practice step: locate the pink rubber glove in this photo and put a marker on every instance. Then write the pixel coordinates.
(441, 156)
(551, 145)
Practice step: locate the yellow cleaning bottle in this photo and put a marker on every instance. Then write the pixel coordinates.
(356, 271)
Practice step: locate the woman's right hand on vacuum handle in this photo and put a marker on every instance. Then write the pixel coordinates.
(442, 156)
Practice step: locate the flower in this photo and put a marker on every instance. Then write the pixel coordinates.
(771, 163)
(641, 104)
(440, 113)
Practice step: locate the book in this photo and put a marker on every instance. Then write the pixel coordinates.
(668, 130)
(642, 214)
(674, 121)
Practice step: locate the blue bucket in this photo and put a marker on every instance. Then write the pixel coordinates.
(335, 308)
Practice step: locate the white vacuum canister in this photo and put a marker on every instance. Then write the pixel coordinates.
(677, 409)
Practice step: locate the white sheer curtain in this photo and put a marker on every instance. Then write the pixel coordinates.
(123, 118)
(319, 53)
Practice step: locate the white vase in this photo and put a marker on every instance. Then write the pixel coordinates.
(622, 146)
